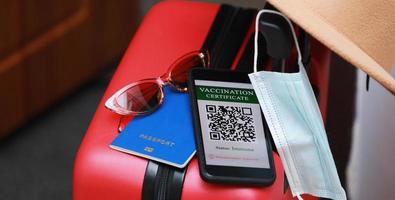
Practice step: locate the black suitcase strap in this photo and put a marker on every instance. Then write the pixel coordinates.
(224, 40)
(162, 182)
(230, 27)
(227, 34)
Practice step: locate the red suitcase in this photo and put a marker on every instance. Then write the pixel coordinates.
(169, 30)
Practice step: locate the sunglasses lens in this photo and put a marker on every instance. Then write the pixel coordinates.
(141, 98)
(181, 68)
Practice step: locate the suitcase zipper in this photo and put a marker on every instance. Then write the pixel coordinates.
(163, 179)
(218, 47)
(228, 31)
(162, 182)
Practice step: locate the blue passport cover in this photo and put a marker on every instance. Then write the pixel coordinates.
(165, 135)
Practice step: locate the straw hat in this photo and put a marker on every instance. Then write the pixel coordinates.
(361, 31)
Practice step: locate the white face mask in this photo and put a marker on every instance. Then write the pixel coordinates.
(292, 113)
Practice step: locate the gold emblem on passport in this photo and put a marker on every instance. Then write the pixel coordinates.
(149, 149)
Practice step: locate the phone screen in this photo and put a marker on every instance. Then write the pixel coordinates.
(231, 124)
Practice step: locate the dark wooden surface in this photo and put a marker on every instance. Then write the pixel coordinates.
(50, 48)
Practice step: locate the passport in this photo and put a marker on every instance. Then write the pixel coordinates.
(165, 135)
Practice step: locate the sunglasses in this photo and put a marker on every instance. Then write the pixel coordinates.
(144, 96)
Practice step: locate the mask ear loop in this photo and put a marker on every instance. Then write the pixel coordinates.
(257, 33)
(256, 45)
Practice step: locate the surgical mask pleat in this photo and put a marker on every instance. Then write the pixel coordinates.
(308, 129)
(295, 122)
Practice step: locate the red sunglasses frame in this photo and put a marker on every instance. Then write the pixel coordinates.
(113, 103)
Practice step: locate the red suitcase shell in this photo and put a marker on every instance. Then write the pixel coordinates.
(169, 30)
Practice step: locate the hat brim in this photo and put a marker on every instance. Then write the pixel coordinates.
(335, 40)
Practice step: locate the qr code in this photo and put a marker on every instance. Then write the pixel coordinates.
(230, 123)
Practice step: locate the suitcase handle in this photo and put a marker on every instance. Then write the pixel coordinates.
(278, 37)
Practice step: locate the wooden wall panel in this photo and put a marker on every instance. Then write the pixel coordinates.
(9, 26)
(36, 76)
(12, 99)
(40, 15)
(113, 27)
(72, 62)
(53, 47)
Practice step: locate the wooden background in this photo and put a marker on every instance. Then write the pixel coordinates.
(49, 48)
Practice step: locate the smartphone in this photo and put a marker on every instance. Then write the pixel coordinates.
(232, 137)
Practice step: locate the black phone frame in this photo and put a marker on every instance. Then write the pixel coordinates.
(227, 174)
